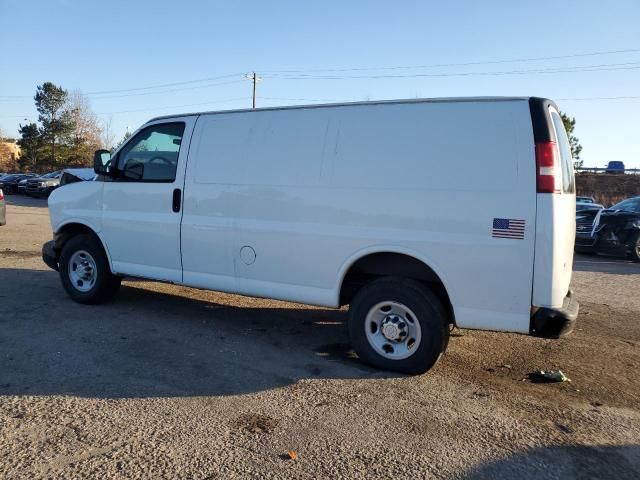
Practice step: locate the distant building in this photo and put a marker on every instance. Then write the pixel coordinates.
(9, 153)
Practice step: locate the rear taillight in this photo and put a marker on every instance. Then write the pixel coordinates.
(1, 195)
(548, 173)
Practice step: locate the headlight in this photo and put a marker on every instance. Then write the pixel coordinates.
(42, 184)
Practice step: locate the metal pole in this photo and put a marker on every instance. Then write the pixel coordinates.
(254, 90)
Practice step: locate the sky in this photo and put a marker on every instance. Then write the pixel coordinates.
(150, 58)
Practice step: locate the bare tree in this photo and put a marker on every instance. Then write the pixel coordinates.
(87, 133)
(107, 138)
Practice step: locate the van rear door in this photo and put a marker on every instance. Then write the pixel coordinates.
(556, 204)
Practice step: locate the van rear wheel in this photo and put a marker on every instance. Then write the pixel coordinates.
(84, 271)
(398, 324)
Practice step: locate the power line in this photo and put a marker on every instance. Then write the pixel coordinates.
(575, 69)
(154, 108)
(488, 62)
(167, 84)
(106, 93)
(168, 91)
(176, 106)
(580, 99)
(464, 64)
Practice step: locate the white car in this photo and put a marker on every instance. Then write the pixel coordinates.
(419, 214)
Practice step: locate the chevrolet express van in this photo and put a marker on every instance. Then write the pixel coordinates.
(420, 215)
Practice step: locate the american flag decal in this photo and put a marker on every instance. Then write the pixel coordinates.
(508, 228)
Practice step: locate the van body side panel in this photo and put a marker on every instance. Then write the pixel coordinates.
(307, 190)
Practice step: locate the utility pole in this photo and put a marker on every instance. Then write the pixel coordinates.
(255, 79)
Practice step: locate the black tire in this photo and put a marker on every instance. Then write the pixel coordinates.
(634, 254)
(431, 315)
(106, 284)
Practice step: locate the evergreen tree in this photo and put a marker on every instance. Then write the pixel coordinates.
(31, 145)
(574, 143)
(57, 123)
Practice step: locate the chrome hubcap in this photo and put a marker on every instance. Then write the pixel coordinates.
(82, 271)
(393, 330)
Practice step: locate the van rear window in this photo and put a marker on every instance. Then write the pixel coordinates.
(566, 160)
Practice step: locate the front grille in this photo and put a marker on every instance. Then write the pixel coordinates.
(33, 186)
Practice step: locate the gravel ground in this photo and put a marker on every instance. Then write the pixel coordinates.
(172, 382)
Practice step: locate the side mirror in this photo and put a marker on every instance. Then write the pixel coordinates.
(101, 162)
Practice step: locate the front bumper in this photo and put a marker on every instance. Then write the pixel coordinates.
(49, 255)
(37, 190)
(585, 240)
(555, 322)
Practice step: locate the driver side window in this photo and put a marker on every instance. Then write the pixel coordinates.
(152, 155)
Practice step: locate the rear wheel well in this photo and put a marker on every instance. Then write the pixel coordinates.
(383, 264)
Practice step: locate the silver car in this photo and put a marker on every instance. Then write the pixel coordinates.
(3, 209)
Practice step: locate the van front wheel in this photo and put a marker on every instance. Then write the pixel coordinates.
(84, 271)
(398, 324)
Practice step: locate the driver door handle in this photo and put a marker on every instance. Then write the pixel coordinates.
(177, 197)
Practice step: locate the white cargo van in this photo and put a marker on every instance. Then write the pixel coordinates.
(419, 214)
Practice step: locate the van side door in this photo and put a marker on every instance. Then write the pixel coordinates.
(142, 206)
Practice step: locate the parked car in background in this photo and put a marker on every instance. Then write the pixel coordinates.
(22, 185)
(9, 183)
(585, 199)
(581, 206)
(614, 231)
(586, 214)
(3, 209)
(72, 175)
(615, 167)
(44, 185)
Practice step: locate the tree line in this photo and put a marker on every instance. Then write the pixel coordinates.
(66, 133)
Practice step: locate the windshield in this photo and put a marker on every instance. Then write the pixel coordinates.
(629, 205)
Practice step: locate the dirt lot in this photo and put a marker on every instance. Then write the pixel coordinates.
(172, 382)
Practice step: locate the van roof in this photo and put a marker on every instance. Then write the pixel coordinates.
(375, 102)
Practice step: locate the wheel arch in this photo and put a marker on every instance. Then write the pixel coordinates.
(70, 229)
(377, 262)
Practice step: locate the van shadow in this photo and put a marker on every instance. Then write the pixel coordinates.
(148, 343)
(604, 264)
(566, 462)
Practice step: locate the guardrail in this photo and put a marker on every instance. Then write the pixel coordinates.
(604, 169)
